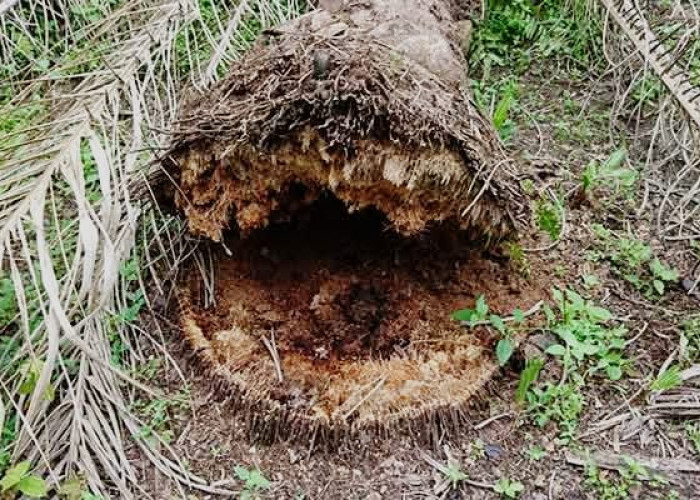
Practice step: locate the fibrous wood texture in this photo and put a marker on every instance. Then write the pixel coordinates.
(323, 323)
(366, 102)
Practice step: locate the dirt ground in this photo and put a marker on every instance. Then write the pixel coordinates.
(214, 440)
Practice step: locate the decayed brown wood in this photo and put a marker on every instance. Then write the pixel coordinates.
(365, 99)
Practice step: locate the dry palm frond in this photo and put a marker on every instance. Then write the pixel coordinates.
(628, 16)
(68, 224)
(667, 43)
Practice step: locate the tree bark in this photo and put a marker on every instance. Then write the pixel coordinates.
(364, 99)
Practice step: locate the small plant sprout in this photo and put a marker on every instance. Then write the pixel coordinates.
(508, 488)
(254, 482)
(480, 315)
(536, 453)
(454, 474)
(549, 215)
(477, 449)
(527, 378)
(612, 174)
(667, 380)
(472, 316)
(590, 281)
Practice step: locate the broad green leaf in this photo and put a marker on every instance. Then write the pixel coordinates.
(659, 286)
(504, 350)
(14, 475)
(588, 349)
(558, 296)
(257, 481)
(556, 350)
(599, 314)
(241, 473)
(32, 486)
(616, 159)
(463, 315)
(660, 271)
(566, 335)
(536, 453)
(614, 372)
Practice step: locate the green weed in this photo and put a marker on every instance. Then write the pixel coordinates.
(691, 333)
(549, 215)
(508, 488)
(647, 91)
(158, 415)
(536, 453)
(611, 174)
(607, 485)
(558, 403)
(692, 430)
(480, 315)
(633, 260)
(454, 474)
(515, 32)
(254, 482)
(587, 340)
(19, 479)
(590, 281)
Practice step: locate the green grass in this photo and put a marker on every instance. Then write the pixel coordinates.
(515, 32)
(44, 42)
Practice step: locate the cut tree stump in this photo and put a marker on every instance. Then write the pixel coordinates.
(355, 187)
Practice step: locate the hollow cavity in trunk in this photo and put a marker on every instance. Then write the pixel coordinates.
(332, 317)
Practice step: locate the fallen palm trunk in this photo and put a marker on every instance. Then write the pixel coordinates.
(323, 322)
(366, 103)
